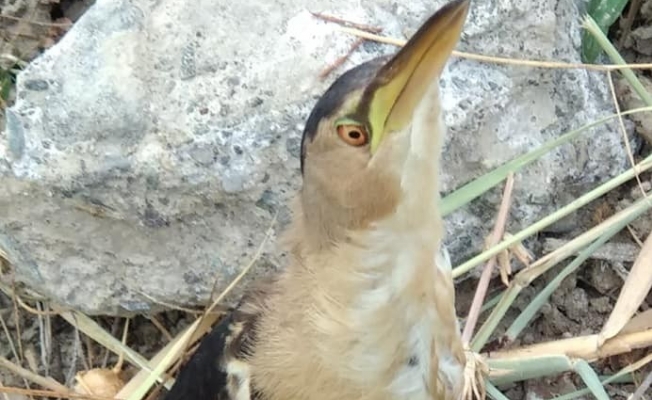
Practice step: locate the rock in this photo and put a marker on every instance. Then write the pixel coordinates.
(547, 388)
(554, 323)
(576, 305)
(602, 304)
(642, 38)
(149, 149)
(603, 278)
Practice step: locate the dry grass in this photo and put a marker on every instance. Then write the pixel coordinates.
(624, 331)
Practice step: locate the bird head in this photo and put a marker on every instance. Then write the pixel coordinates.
(366, 127)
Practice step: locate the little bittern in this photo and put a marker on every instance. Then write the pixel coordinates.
(365, 309)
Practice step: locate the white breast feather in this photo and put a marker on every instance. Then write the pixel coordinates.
(397, 242)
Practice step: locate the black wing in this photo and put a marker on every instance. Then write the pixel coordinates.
(206, 375)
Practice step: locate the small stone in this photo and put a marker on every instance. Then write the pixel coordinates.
(203, 155)
(37, 85)
(601, 304)
(267, 201)
(256, 101)
(603, 278)
(576, 304)
(188, 67)
(293, 146)
(15, 134)
(556, 323)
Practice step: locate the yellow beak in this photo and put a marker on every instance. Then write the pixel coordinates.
(400, 84)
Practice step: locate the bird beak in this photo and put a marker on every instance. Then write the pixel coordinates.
(400, 84)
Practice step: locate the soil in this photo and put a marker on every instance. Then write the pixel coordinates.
(579, 307)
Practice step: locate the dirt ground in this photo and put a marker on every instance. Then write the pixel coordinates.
(579, 307)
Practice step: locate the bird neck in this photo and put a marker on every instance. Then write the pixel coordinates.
(378, 304)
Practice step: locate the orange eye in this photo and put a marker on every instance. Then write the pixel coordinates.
(354, 135)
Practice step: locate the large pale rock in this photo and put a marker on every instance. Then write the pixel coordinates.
(149, 150)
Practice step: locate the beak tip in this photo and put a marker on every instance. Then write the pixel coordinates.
(399, 85)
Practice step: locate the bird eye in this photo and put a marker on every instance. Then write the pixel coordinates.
(354, 135)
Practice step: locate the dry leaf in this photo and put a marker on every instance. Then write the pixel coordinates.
(99, 382)
(640, 322)
(634, 291)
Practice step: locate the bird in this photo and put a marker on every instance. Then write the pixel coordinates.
(365, 307)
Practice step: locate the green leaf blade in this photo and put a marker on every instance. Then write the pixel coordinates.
(605, 13)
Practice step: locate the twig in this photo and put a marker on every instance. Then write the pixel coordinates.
(161, 328)
(114, 331)
(167, 305)
(121, 357)
(12, 345)
(24, 35)
(337, 20)
(627, 22)
(15, 60)
(161, 360)
(29, 375)
(90, 355)
(17, 318)
(362, 27)
(340, 60)
(640, 391)
(621, 271)
(186, 356)
(33, 310)
(610, 251)
(51, 393)
(635, 236)
(74, 356)
(5, 396)
(45, 337)
(49, 24)
(584, 347)
(483, 283)
(84, 357)
(623, 130)
(503, 60)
